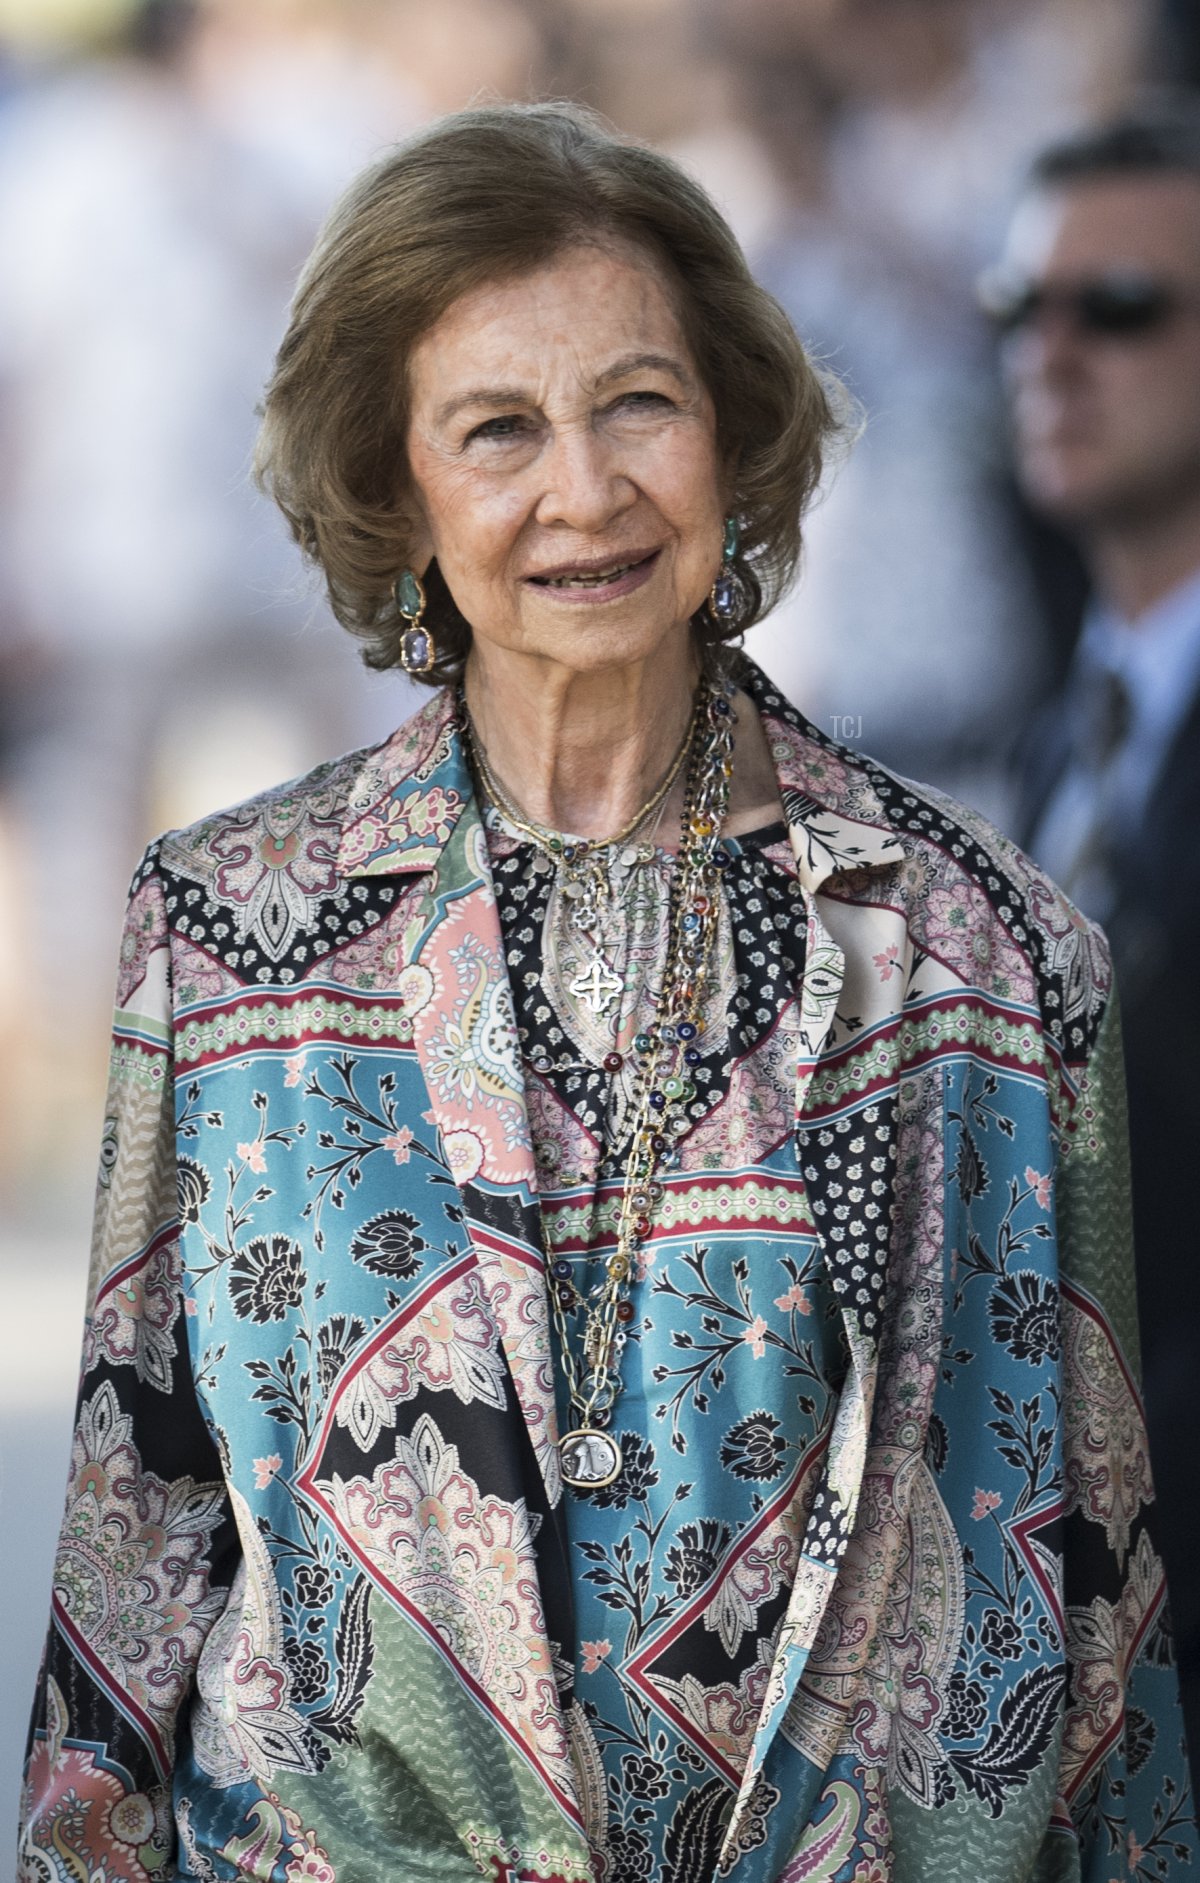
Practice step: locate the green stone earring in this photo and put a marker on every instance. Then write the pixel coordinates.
(725, 597)
(417, 650)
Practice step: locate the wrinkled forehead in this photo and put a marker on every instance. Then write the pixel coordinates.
(587, 306)
(1148, 222)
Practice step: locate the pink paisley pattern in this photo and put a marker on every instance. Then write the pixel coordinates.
(133, 1322)
(812, 768)
(1104, 1639)
(517, 1298)
(273, 869)
(375, 831)
(131, 1583)
(244, 1724)
(1078, 954)
(145, 931)
(420, 817)
(962, 930)
(199, 977)
(562, 1144)
(758, 1113)
(373, 962)
(723, 1717)
(891, 1632)
(449, 1345)
(91, 1826)
(461, 1011)
(1104, 1439)
(462, 1560)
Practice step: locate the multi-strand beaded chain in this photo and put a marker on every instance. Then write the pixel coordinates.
(667, 1054)
(581, 861)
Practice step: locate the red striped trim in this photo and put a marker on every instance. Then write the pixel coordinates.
(141, 1722)
(436, 1285)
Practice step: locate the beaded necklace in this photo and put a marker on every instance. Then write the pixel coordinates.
(666, 1052)
(581, 860)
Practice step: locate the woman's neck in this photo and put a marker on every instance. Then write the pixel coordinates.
(582, 752)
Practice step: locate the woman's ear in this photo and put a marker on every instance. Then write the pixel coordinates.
(730, 464)
(414, 530)
(419, 552)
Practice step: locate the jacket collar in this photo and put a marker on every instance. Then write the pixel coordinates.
(409, 794)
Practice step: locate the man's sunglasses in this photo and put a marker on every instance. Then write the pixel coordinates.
(1113, 306)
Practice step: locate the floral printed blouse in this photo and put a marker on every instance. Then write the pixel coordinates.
(730, 1372)
(876, 1598)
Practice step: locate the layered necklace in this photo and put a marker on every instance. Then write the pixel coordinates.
(583, 864)
(665, 1052)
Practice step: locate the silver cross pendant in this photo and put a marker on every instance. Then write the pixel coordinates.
(597, 986)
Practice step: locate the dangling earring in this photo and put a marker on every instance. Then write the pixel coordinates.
(725, 597)
(417, 650)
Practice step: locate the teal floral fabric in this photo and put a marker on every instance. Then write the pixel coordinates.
(321, 1607)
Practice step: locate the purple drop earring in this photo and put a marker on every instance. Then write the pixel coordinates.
(417, 649)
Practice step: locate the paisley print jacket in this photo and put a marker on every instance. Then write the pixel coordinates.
(312, 1604)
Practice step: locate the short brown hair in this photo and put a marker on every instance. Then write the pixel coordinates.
(486, 194)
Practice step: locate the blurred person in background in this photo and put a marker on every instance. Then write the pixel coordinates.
(160, 213)
(607, 1348)
(161, 195)
(1176, 47)
(895, 125)
(1098, 299)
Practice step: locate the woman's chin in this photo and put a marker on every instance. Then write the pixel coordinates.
(593, 640)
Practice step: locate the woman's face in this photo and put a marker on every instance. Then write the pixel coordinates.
(563, 457)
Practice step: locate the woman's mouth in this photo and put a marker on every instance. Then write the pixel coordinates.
(597, 584)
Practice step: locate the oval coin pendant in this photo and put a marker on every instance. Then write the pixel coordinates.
(589, 1458)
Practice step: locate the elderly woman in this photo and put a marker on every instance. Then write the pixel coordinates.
(611, 1348)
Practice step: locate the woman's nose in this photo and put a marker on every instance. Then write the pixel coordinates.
(585, 486)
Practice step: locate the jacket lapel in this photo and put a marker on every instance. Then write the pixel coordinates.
(837, 828)
(412, 811)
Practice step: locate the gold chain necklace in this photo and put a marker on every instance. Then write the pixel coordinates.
(590, 1454)
(581, 861)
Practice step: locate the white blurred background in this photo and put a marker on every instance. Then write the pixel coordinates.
(163, 169)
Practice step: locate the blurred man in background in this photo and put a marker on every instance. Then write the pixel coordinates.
(895, 127)
(1098, 297)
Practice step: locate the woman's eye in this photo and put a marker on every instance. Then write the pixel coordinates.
(644, 399)
(507, 427)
